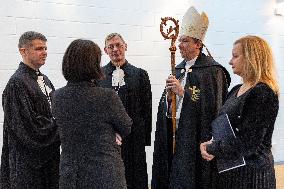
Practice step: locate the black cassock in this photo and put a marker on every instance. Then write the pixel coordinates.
(205, 91)
(30, 152)
(136, 97)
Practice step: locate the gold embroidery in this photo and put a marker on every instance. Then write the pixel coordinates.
(195, 93)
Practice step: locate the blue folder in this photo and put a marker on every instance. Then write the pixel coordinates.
(223, 131)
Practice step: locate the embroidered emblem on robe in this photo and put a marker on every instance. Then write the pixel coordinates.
(195, 93)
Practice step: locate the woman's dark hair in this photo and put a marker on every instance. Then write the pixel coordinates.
(81, 61)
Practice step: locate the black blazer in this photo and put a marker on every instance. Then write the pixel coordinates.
(252, 116)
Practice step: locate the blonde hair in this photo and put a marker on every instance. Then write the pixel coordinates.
(259, 63)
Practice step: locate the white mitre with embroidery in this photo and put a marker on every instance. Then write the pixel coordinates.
(194, 25)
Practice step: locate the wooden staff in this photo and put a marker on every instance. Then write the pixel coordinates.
(171, 33)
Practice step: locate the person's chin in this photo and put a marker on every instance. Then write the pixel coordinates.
(235, 72)
(116, 59)
(42, 63)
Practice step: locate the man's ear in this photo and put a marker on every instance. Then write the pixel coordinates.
(22, 51)
(105, 49)
(125, 46)
(199, 44)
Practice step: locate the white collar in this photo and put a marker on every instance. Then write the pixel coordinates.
(189, 63)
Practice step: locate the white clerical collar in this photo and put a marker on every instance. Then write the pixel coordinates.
(189, 63)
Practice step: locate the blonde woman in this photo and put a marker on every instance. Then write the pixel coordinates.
(252, 109)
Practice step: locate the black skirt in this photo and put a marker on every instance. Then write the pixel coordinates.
(247, 177)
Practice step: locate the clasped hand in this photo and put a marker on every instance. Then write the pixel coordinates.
(205, 155)
(173, 85)
(118, 139)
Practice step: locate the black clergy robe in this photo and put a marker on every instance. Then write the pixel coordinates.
(136, 97)
(205, 91)
(30, 152)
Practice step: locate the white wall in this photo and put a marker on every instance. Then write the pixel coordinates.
(138, 21)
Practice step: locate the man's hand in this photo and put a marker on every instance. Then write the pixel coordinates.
(173, 85)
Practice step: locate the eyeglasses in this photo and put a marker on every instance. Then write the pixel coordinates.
(184, 41)
(118, 46)
(188, 40)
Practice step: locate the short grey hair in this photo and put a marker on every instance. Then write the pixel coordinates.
(112, 35)
(27, 38)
